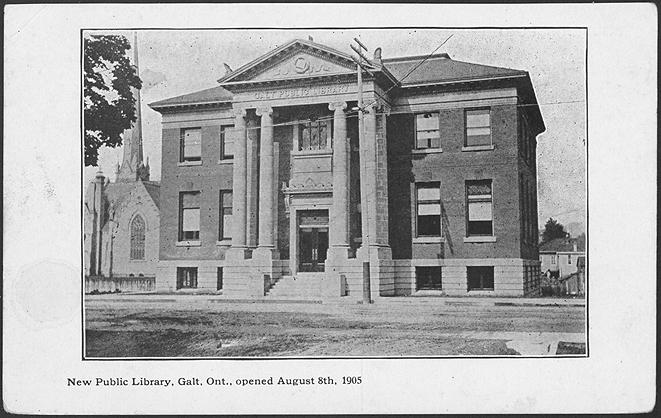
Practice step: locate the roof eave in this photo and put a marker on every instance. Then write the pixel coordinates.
(278, 50)
(170, 106)
(462, 80)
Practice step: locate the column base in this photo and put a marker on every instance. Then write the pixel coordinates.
(237, 253)
(265, 254)
(337, 256)
(374, 252)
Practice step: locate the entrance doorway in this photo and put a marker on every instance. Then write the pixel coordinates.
(313, 240)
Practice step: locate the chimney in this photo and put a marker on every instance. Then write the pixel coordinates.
(228, 69)
(310, 38)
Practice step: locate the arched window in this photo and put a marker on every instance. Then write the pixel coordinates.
(138, 238)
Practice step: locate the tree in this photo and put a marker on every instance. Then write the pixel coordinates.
(109, 105)
(552, 230)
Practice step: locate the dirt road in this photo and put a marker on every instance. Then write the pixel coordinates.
(206, 327)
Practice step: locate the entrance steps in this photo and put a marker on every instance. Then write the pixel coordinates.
(302, 286)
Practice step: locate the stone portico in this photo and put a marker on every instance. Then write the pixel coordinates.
(319, 182)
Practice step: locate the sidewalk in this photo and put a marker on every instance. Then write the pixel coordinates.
(392, 300)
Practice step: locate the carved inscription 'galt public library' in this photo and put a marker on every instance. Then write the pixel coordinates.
(302, 92)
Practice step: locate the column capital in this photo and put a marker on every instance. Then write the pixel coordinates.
(381, 106)
(264, 111)
(239, 112)
(337, 106)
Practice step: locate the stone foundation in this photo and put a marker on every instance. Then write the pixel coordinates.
(246, 278)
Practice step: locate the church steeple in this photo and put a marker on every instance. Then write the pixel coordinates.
(133, 168)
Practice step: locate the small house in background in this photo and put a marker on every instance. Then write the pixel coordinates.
(560, 256)
(574, 284)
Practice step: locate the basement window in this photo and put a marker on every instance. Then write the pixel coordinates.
(186, 278)
(219, 278)
(480, 278)
(428, 278)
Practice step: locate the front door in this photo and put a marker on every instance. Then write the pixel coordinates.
(313, 241)
(313, 248)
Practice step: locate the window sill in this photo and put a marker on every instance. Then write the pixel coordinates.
(428, 240)
(226, 161)
(480, 239)
(188, 163)
(479, 148)
(188, 243)
(224, 243)
(427, 151)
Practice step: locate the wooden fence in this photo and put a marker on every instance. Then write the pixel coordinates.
(116, 284)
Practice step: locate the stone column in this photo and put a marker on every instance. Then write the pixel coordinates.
(374, 185)
(252, 179)
(338, 232)
(374, 202)
(266, 189)
(239, 181)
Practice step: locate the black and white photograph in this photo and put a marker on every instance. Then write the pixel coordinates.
(361, 208)
(331, 193)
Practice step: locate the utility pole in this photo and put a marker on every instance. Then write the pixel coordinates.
(367, 296)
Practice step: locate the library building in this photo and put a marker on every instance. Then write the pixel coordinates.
(274, 183)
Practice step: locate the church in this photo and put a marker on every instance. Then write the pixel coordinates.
(283, 180)
(121, 219)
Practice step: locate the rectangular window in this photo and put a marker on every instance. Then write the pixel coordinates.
(479, 202)
(186, 278)
(478, 127)
(552, 259)
(568, 258)
(480, 278)
(427, 133)
(428, 277)
(315, 135)
(226, 142)
(191, 145)
(189, 216)
(225, 215)
(428, 202)
(219, 278)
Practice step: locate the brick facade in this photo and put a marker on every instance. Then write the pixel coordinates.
(383, 186)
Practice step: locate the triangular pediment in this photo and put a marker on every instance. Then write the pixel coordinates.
(296, 59)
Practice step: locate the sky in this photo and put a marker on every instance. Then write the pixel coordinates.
(179, 62)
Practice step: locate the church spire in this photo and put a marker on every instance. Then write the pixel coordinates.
(132, 167)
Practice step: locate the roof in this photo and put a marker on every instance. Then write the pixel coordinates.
(154, 190)
(435, 69)
(116, 192)
(441, 68)
(561, 245)
(212, 95)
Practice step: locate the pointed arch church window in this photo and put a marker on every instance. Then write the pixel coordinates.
(138, 238)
